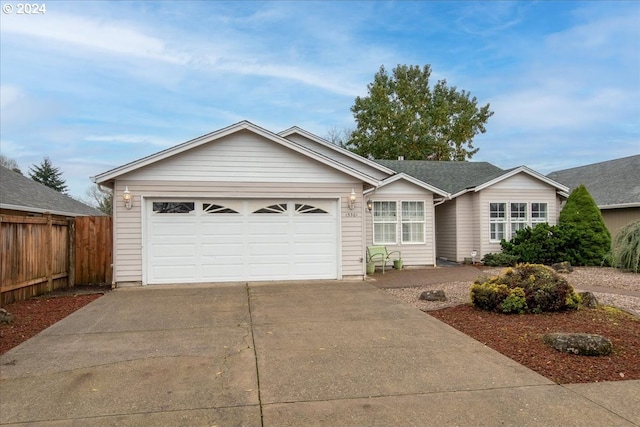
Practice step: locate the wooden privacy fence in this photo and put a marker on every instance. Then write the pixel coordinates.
(41, 254)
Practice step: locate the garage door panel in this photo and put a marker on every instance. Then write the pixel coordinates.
(289, 240)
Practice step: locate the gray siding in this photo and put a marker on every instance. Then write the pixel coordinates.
(446, 236)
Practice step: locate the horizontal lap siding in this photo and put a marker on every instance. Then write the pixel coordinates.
(519, 188)
(446, 230)
(240, 157)
(465, 220)
(412, 254)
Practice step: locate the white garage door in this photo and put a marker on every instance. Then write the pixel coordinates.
(191, 241)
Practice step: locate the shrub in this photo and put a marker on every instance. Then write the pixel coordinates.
(626, 247)
(585, 239)
(541, 287)
(500, 259)
(488, 296)
(538, 245)
(515, 302)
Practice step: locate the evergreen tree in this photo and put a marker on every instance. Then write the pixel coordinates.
(48, 175)
(585, 238)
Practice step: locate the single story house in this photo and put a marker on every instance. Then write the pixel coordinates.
(246, 204)
(614, 185)
(20, 195)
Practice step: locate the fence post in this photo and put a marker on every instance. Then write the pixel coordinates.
(71, 250)
(49, 247)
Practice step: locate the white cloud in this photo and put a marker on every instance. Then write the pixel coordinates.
(113, 37)
(130, 139)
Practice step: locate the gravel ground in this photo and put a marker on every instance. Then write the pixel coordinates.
(458, 292)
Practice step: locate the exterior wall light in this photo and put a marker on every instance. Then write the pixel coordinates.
(352, 199)
(369, 205)
(127, 197)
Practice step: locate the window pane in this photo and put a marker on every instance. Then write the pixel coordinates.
(384, 233)
(498, 210)
(413, 232)
(173, 207)
(538, 212)
(412, 211)
(384, 211)
(519, 211)
(497, 231)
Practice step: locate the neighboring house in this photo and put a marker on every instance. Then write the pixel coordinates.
(614, 185)
(20, 195)
(246, 204)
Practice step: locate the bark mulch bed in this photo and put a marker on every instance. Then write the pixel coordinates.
(34, 315)
(520, 338)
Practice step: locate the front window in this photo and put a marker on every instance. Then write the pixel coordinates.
(413, 219)
(497, 220)
(518, 216)
(385, 221)
(538, 213)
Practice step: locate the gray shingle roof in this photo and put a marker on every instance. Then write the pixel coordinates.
(22, 193)
(614, 182)
(451, 177)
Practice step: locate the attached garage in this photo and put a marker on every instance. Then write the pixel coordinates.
(229, 240)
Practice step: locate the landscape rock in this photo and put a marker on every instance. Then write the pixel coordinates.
(579, 343)
(588, 299)
(437, 295)
(5, 316)
(562, 267)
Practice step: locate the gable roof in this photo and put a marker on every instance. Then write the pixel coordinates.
(108, 176)
(336, 148)
(452, 177)
(457, 177)
(20, 193)
(613, 183)
(406, 177)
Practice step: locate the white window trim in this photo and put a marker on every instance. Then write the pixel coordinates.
(423, 222)
(498, 220)
(507, 220)
(380, 221)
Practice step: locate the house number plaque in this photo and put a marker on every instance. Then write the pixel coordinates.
(351, 214)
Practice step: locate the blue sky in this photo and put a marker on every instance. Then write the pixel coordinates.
(96, 84)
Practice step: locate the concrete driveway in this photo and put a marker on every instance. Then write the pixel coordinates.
(281, 354)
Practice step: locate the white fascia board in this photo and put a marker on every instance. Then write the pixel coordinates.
(325, 143)
(414, 181)
(244, 125)
(528, 171)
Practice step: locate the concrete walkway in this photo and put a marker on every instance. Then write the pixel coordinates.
(281, 354)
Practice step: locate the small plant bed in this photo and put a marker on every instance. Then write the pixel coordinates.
(520, 337)
(33, 316)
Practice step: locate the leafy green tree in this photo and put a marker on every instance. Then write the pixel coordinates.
(47, 174)
(403, 116)
(585, 238)
(9, 163)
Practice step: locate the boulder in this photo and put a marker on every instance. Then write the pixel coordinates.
(437, 295)
(562, 267)
(588, 299)
(5, 316)
(578, 343)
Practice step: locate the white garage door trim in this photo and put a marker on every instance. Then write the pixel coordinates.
(230, 240)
